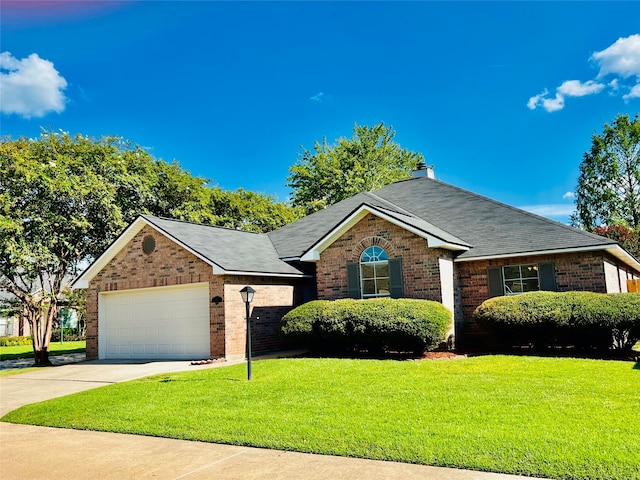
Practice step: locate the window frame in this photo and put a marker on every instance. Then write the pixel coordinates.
(378, 259)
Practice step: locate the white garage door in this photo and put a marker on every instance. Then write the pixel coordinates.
(155, 323)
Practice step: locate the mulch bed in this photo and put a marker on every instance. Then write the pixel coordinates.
(441, 356)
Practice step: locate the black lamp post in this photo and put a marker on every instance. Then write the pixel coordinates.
(247, 297)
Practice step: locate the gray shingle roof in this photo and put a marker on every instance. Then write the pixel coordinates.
(489, 227)
(232, 250)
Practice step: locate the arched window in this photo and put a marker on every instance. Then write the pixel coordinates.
(374, 273)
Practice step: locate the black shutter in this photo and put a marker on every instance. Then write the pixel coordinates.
(496, 287)
(547, 275)
(396, 284)
(353, 280)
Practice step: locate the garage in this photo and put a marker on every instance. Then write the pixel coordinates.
(155, 323)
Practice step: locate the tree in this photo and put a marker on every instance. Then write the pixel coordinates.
(250, 211)
(63, 199)
(608, 190)
(369, 160)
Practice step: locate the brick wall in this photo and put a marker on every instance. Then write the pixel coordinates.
(272, 300)
(170, 264)
(420, 264)
(131, 268)
(581, 271)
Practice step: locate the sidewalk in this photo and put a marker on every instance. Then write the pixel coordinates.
(41, 453)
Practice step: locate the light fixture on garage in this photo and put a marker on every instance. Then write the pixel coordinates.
(216, 300)
(247, 296)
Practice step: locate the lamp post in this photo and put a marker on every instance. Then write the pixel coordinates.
(247, 296)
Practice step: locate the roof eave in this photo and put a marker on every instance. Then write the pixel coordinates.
(614, 249)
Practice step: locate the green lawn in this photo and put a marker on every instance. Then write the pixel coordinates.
(558, 418)
(55, 348)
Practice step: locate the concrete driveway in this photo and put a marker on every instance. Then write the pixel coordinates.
(29, 452)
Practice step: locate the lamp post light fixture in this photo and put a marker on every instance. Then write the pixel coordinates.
(247, 296)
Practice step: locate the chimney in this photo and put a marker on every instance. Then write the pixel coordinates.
(422, 171)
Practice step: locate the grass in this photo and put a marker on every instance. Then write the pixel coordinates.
(55, 348)
(17, 371)
(559, 418)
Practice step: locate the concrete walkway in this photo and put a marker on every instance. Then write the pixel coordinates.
(29, 452)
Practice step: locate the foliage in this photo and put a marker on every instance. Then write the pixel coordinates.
(249, 211)
(627, 238)
(375, 325)
(14, 341)
(64, 199)
(367, 161)
(580, 319)
(608, 190)
(540, 417)
(70, 335)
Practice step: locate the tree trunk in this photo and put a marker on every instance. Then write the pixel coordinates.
(41, 322)
(41, 358)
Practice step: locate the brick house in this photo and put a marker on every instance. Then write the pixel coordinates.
(169, 289)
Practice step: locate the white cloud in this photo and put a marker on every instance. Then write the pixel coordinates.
(633, 93)
(30, 87)
(620, 60)
(569, 196)
(575, 88)
(553, 210)
(318, 97)
(549, 104)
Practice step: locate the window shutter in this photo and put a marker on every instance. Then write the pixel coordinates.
(353, 280)
(496, 287)
(396, 284)
(547, 273)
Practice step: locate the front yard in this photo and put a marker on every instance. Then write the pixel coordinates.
(55, 348)
(547, 417)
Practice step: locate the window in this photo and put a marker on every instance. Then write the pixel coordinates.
(520, 279)
(374, 273)
(515, 279)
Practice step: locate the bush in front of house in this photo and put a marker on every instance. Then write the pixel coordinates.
(14, 341)
(69, 335)
(375, 325)
(584, 320)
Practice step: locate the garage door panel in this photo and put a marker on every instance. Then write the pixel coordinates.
(165, 322)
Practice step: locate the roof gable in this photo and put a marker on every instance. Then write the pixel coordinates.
(435, 236)
(227, 251)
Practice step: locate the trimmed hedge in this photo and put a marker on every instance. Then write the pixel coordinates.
(14, 341)
(375, 325)
(583, 320)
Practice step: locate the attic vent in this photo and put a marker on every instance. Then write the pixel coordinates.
(148, 244)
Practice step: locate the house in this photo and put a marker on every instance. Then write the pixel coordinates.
(169, 289)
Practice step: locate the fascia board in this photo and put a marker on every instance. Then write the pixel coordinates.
(219, 271)
(614, 250)
(313, 254)
(118, 244)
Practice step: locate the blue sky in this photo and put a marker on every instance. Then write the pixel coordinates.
(502, 97)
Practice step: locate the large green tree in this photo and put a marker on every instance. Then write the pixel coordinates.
(369, 160)
(609, 183)
(608, 193)
(64, 198)
(250, 211)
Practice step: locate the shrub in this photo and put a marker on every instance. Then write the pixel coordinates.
(70, 335)
(14, 341)
(375, 325)
(579, 319)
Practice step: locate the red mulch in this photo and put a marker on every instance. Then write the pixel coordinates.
(440, 356)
